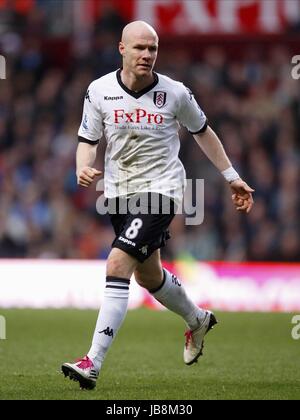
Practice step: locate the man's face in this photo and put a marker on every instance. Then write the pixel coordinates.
(139, 55)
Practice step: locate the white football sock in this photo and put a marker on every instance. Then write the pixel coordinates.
(172, 295)
(111, 316)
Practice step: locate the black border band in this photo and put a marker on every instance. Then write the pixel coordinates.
(202, 130)
(84, 140)
(116, 279)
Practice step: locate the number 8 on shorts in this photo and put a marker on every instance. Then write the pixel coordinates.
(134, 228)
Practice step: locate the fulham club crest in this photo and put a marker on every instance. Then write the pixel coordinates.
(159, 98)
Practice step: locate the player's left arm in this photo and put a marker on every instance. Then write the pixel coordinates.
(214, 150)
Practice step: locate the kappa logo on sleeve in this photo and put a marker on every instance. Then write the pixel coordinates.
(159, 98)
(87, 96)
(190, 93)
(85, 122)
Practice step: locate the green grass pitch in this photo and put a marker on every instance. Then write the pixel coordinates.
(246, 356)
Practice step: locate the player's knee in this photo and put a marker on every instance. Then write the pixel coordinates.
(116, 268)
(120, 264)
(148, 280)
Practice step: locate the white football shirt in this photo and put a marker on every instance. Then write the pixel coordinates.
(141, 130)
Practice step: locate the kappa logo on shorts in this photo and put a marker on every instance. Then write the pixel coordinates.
(144, 250)
(159, 98)
(126, 241)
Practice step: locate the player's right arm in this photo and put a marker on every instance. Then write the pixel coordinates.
(85, 159)
(89, 134)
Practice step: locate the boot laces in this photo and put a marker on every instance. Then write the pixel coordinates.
(188, 338)
(84, 363)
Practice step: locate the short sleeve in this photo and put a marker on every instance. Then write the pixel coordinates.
(91, 128)
(189, 113)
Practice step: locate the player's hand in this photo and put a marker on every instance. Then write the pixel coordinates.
(242, 195)
(86, 176)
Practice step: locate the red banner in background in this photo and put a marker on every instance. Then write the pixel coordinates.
(219, 16)
(186, 17)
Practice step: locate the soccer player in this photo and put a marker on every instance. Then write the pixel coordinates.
(139, 112)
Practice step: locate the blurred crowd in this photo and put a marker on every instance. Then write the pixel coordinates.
(252, 103)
